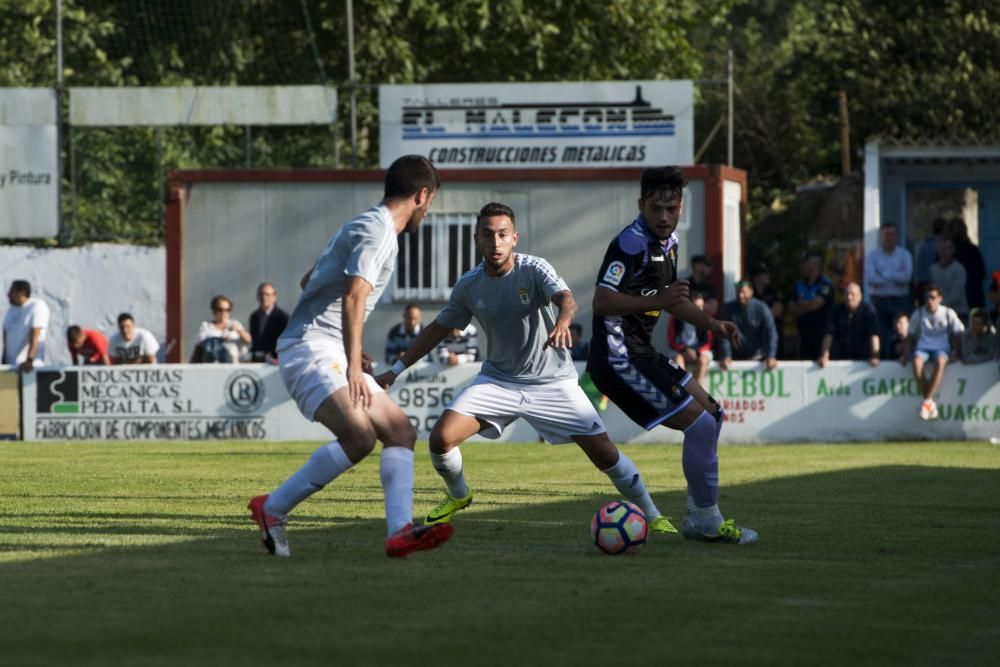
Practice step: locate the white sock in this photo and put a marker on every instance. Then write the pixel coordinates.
(325, 465)
(396, 471)
(449, 466)
(626, 478)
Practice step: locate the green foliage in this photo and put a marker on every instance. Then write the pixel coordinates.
(926, 69)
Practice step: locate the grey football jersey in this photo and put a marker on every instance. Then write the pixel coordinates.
(515, 312)
(366, 247)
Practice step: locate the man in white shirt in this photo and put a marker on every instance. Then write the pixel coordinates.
(132, 345)
(949, 275)
(888, 270)
(937, 331)
(24, 328)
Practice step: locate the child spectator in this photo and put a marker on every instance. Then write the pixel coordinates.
(579, 350)
(692, 346)
(900, 334)
(979, 343)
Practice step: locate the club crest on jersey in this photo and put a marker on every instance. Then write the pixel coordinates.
(615, 272)
(523, 293)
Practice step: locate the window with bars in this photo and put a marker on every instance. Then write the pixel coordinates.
(432, 260)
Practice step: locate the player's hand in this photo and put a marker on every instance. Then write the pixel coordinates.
(677, 292)
(357, 386)
(729, 331)
(27, 365)
(386, 379)
(559, 337)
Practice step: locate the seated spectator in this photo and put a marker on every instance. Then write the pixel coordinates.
(87, 347)
(811, 302)
(461, 346)
(579, 350)
(760, 280)
(760, 339)
(935, 336)
(132, 345)
(980, 342)
(900, 336)
(701, 272)
(994, 296)
(402, 334)
(851, 331)
(266, 324)
(692, 346)
(220, 340)
(24, 328)
(949, 276)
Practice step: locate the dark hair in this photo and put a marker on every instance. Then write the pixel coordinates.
(700, 259)
(494, 209)
(21, 287)
(743, 282)
(266, 284)
(889, 225)
(409, 306)
(979, 314)
(667, 180)
(73, 332)
(899, 315)
(219, 298)
(931, 287)
(125, 316)
(938, 225)
(577, 327)
(408, 175)
(758, 269)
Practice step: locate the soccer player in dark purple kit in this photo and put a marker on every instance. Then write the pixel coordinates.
(638, 280)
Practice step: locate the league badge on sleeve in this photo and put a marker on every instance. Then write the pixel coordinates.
(614, 274)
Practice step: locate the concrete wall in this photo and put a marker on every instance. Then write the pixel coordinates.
(236, 235)
(90, 286)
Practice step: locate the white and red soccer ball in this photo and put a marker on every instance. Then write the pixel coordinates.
(619, 527)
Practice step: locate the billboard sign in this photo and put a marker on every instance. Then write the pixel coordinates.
(532, 125)
(29, 163)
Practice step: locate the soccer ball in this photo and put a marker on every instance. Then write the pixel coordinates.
(619, 528)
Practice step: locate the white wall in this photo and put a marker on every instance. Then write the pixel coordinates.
(90, 286)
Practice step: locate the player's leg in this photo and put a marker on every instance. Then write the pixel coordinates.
(919, 358)
(625, 476)
(451, 430)
(927, 407)
(396, 473)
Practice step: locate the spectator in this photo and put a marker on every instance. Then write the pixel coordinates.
(461, 346)
(888, 271)
(927, 254)
(994, 296)
(900, 337)
(266, 324)
(760, 279)
(87, 347)
(132, 345)
(756, 324)
(220, 340)
(24, 328)
(692, 346)
(402, 335)
(971, 259)
(579, 350)
(979, 343)
(701, 272)
(851, 330)
(812, 299)
(949, 275)
(935, 332)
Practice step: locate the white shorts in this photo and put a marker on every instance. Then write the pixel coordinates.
(313, 370)
(557, 410)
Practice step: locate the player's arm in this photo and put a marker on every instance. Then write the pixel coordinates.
(608, 301)
(685, 310)
(429, 338)
(29, 362)
(305, 279)
(352, 322)
(566, 304)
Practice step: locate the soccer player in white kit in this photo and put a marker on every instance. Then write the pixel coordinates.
(323, 367)
(525, 309)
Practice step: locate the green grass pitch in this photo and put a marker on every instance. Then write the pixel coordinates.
(143, 554)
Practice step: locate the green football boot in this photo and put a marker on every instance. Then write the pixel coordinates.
(661, 524)
(727, 532)
(446, 509)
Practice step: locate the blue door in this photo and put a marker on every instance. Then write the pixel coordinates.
(989, 227)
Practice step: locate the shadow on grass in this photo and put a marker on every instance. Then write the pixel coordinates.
(891, 564)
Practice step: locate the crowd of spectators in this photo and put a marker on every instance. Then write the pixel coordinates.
(221, 339)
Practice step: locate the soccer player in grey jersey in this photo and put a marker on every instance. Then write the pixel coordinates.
(525, 308)
(323, 367)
